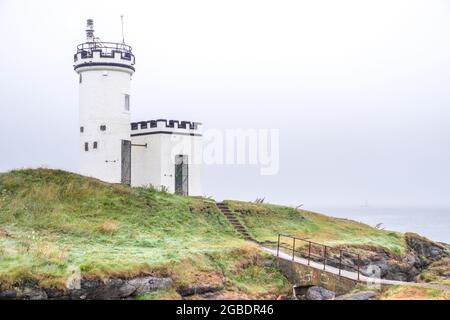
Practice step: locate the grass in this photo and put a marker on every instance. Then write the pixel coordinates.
(414, 293)
(256, 280)
(52, 221)
(435, 273)
(266, 221)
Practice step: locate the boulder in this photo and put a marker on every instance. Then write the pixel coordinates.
(319, 293)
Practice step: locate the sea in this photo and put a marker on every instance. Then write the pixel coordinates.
(430, 222)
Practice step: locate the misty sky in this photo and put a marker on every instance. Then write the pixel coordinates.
(358, 89)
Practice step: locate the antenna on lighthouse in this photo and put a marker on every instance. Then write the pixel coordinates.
(123, 36)
(90, 30)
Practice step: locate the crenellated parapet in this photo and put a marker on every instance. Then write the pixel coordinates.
(104, 55)
(163, 126)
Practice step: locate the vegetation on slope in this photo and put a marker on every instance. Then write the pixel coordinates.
(53, 222)
(265, 221)
(437, 272)
(414, 293)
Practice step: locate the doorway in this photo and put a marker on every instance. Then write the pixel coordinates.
(181, 175)
(126, 162)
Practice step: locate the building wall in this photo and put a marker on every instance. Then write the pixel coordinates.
(146, 161)
(102, 90)
(301, 275)
(155, 164)
(105, 76)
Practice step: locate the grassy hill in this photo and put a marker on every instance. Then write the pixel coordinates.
(52, 221)
(265, 221)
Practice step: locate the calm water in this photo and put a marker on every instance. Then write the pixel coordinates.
(433, 223)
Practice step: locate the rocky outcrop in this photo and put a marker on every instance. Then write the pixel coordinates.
(420, 253)
(115, 288)
(119, 288)
(423, 251)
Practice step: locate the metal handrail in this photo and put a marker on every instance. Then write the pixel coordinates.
(104, 46)
(324, 257)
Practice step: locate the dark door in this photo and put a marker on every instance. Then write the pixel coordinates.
(126, 162)
(181, 175)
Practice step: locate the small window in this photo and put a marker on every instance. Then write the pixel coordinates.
(81, 129)
(95, 145)
(102, 127)
(86, 146)
(81, 78)
(127, 102)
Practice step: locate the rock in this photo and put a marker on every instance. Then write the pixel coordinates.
(427, 250)
(113, 289)
(198, 289)
(363, 295)
(399, 272)
(119, 288)
(380, 263)
(319, 293)
(53, 293)
(33, 294)
(8, 294)
(150, 284)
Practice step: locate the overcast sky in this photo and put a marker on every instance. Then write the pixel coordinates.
(358, 89)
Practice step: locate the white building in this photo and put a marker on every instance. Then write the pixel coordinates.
(161, 153)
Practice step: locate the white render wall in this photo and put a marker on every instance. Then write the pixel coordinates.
(102, 102)
(105, 80)
(155, 164)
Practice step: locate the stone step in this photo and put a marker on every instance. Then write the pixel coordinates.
(234, 221)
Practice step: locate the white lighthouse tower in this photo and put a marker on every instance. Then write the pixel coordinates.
(105, 71)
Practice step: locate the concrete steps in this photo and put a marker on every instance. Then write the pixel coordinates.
(234, 221)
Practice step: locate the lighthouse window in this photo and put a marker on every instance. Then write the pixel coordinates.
(81, 129)
(102, 127)
(127, 102)
(81, 78)
(86, 146)
(95, 145)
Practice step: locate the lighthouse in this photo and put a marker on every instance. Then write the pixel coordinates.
(164, 154)
(105, 70)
